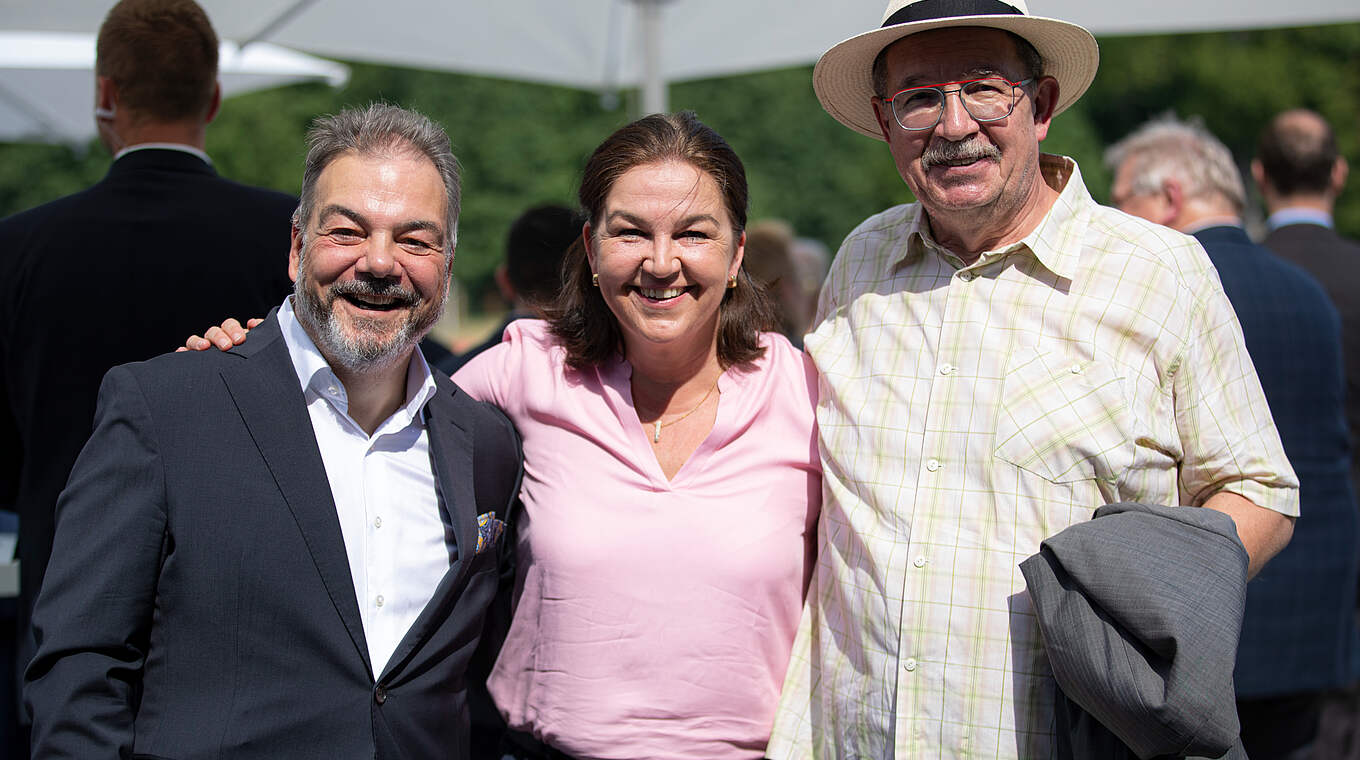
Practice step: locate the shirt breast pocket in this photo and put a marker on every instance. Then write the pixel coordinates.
(1064, 419)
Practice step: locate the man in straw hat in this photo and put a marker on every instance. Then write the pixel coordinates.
(997, 360)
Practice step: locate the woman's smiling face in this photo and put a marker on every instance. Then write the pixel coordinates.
(664, 249)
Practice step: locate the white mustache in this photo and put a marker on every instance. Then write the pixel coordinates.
(946, 152)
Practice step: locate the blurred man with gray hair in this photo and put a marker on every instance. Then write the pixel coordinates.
(1298, 632)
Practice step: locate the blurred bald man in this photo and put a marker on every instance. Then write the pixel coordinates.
(1301, 173)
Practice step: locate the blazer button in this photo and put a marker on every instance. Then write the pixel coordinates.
(379, 695)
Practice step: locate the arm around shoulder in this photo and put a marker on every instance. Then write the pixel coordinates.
(93, 617)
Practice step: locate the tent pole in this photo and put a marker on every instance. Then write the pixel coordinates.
(654, 82)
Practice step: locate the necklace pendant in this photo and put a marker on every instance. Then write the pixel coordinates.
(656, 432)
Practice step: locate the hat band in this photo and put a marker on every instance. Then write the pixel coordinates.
(926, 10)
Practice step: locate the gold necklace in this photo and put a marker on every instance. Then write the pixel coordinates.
(656, 426)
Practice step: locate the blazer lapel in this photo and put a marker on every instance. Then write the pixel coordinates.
(268, 395)
(451, 457)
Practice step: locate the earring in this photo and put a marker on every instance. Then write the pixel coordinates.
(731, 282)
(595, 279)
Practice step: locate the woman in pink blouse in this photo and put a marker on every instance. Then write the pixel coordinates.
(671, 484)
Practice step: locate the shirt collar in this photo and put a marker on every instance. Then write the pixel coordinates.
(182, 148)
(1298, 215)
(1211, 222)
(315, 373)
(1055, 242)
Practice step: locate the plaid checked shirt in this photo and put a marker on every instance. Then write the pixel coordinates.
(969, 412)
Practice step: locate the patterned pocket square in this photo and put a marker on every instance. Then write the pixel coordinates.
(489, 530)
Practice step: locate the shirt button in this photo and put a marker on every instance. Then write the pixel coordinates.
(377, 522)
(332, 390)
(947, 369)
(933, 465)
(966, 276)
(920, 561)
(379, 601)
(1076, 369)
(910, 664)
(379, 694)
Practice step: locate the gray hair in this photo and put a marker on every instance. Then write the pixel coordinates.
(379, 130)
(1168, 147)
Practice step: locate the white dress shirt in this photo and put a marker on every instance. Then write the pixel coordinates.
(181, 147)
(399, 545)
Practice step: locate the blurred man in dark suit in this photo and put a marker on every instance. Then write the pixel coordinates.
(126, 269)
(1298, 636)
(1300, 174)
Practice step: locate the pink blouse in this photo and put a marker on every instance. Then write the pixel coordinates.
(653, 618)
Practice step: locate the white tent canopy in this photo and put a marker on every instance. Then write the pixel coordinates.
(604, 44)
(47, 81)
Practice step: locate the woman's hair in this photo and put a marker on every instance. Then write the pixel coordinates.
(580, 318)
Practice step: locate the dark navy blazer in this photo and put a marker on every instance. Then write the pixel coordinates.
(199, 602)
(160, 248)
(1298, 631)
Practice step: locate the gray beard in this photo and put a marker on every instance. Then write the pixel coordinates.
(368, 349)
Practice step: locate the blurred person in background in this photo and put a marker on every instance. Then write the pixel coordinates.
(769, 259)
(530, 277)
(119, 253)
(811, 260)
(1298, 632)
(1300, 173)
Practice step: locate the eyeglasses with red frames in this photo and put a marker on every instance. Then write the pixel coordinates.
(986, 99)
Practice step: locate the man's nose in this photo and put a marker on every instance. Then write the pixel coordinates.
(955, 121)
(379, 256)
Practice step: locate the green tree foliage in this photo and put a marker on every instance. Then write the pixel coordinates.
(522, 144)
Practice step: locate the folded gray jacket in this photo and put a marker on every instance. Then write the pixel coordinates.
(1140, 610)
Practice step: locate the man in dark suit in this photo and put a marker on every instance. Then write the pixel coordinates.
(1298, 634)
(1300, 174)
(124, 270)
(288, 550)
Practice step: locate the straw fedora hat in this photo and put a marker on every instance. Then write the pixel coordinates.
(843, 78)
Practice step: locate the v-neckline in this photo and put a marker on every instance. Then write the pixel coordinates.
(621, 378)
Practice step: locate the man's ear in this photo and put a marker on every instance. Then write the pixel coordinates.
(1340, 170)
(503, 284)
(1258, 174)
(883, 115)
(1173, 200)
(1044, 103)
(215, 105)
(105, 98)
(294, 252)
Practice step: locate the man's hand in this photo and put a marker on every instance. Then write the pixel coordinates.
(229, 334)
(1263, 532)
